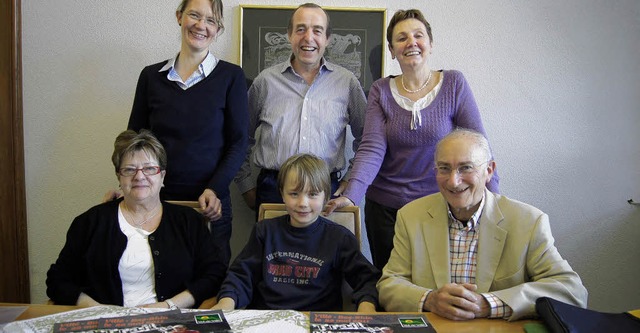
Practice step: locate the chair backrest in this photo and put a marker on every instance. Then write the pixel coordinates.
(349, 216)
(193, 204)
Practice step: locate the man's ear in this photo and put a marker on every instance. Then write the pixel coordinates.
(491, 168)
(179, 17)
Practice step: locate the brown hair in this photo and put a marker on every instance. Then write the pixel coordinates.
(129, 142)
(309, 5)
(402, 15)
(216, 7)
(310, 170)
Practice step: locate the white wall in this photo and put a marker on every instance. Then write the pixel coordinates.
(557, 83)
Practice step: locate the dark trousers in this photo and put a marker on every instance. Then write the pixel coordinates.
(220, 229)
(380, 222)
(267, 187)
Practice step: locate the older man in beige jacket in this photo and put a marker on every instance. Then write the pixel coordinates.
(468, 253)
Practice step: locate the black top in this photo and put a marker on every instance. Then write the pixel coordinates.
(203, 129)
(181, 247)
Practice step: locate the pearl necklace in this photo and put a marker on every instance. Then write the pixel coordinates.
(138, 224)
(415, 91)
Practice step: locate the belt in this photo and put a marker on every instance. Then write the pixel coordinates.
(336, 175)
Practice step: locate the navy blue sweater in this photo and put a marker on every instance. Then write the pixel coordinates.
(283, 267)
(203, 128)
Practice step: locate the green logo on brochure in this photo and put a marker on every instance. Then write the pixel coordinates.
(211, 318)
(412, 322)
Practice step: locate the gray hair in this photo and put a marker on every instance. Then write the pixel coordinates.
(478, 139)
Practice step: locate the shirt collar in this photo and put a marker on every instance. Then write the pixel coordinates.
(474, 221)
(206, 66)
(324, 65)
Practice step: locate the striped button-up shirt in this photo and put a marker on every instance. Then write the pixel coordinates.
(288, 116)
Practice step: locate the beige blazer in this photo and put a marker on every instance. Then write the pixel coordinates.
(517, 260)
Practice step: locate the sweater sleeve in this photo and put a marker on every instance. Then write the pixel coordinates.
(468, 116)
(361, 275)
(236, 118)
(209, 270)
(373, 146)
(244, 179)
(139, 117)
(66, 277)
(246, 270)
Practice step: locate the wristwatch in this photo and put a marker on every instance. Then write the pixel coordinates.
(171, 305)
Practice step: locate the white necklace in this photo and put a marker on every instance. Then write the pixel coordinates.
(415, 91)
(138, 224)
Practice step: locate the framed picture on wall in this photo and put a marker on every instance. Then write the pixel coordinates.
(356, 42)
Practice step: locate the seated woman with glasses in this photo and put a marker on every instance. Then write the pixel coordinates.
(137, 250)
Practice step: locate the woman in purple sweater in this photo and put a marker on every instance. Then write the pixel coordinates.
(406, 116)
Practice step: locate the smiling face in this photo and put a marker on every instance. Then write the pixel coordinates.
(308, 37)
(463, 190)
(303, 205)
(140, 188)
(410, 43)
(197, 25)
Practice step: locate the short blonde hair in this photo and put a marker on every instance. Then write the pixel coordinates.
(311, 171)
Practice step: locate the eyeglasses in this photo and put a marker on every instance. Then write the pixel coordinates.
(147, 171)
(210, 21)
(463, 170)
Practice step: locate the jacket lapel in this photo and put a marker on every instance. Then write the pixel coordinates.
(437, 241)
(491, 243)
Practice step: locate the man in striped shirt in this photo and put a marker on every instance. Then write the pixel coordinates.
(303, 105)
(468, 253)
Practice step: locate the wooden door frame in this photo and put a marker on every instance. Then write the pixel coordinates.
(14, 254)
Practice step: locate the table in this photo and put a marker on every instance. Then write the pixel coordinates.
(39, 310)
(440, 324)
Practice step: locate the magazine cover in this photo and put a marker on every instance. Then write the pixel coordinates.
(168, 321)
(371, 323)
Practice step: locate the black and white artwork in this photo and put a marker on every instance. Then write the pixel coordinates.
(355, 42)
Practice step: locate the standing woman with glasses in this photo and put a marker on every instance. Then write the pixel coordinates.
(406, 116)
(137, 250)
(196, 104)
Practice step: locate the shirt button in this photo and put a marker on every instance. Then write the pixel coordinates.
(156, 252)
(305, 118)
(304, 138)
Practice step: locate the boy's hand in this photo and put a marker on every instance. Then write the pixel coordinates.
(366, 307)
(226, 303)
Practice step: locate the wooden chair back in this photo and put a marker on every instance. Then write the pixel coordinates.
(349, 216)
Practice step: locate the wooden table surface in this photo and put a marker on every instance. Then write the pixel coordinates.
(440, 324)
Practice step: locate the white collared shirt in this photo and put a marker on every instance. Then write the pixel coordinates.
(204, 69)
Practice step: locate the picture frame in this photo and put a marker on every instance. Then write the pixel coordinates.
(356, 42)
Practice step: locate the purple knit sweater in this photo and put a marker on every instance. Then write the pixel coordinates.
(395, 162)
